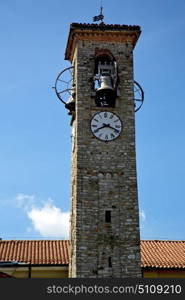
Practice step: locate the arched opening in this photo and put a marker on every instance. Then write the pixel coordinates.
(105, 80)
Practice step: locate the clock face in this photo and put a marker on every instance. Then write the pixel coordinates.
(106, 126)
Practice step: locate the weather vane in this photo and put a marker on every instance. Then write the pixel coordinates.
(100, 17)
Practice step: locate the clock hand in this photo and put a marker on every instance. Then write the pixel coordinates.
(96, 130)
(116, 130)
(106, 125)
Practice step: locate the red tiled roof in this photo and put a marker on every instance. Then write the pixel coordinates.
(163, 254)
(154, 254)
(35, 252)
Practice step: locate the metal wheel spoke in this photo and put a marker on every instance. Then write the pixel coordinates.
(140, 100)
(138, 96)
(62, 80)
(64, 83)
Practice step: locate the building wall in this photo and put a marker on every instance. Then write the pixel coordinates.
(62, 272)
(162, 273)
(37, 272)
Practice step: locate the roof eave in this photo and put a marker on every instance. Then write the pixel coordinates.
(134, 30)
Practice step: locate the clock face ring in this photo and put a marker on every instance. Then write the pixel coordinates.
(106, 126)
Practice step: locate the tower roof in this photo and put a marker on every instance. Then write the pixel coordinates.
(103, 26)
(100, 32)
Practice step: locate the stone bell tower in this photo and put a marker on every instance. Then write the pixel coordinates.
(104, 222)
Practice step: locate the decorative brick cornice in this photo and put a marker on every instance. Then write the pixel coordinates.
(103, 26)
(100, 32)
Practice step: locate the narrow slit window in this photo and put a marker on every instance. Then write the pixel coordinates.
(108, 216)
(110, 262)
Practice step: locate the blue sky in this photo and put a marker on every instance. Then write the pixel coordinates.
(35, 128)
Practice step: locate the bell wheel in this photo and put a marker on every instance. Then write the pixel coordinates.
(64, 85)
(138, 96)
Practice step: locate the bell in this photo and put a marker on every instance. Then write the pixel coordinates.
(105, 94)
(105, 83)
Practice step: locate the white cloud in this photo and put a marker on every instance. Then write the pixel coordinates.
(50, 221)
(25, 201)
(46, 219)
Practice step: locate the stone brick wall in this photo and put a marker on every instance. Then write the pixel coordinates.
(103, 175)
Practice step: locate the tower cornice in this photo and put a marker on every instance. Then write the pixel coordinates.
(100, 32)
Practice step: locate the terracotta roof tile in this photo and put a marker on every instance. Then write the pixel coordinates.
(35, 252)
(154, 254)
(163, 254)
